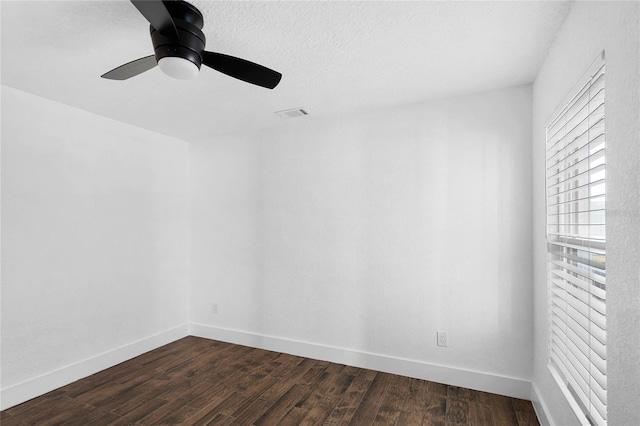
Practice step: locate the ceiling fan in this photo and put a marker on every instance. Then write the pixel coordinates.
(178, 42)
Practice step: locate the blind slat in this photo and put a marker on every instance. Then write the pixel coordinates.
(577, 159)
(584, 127)
(583, 272)
(599, 91)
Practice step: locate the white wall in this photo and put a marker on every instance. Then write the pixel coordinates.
(590, 28)
(372, 232)
(94, 237)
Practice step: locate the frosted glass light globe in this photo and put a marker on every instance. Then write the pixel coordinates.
(179, 68)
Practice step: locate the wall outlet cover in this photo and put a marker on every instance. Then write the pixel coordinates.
(443, 341)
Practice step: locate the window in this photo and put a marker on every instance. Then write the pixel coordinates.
(576, 246)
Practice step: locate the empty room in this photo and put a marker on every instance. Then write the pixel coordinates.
(320, 213)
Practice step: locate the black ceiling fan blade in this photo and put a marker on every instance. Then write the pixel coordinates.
(158, 16)
(242, 69)
(132, 68)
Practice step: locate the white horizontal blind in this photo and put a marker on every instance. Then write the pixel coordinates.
(576, 246)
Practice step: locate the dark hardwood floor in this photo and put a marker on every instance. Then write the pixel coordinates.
(197, 381)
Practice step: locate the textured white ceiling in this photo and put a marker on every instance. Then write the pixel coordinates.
(336, 57)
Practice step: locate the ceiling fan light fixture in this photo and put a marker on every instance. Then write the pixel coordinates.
(180, 68)
(178, 43)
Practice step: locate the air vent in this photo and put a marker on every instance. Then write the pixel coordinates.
(291, 113)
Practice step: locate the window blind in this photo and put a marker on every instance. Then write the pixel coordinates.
(576, 245)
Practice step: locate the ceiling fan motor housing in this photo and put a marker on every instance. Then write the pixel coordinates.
(189, 22)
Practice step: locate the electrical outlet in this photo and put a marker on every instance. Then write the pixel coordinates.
(214, 308)
(442, 339)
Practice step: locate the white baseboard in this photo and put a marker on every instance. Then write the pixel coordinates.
(540, 407)
(21, 392)
(508, 386)
(487, 382)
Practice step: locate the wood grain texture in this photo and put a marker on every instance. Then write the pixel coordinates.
(196, 381)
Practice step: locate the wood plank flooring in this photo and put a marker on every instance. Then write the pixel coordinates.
(198, 381)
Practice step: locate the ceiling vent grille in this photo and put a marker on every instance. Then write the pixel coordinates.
(291, 113)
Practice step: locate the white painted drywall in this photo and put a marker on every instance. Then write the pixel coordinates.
(94, 235)
(372, 232)
(590, 28)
